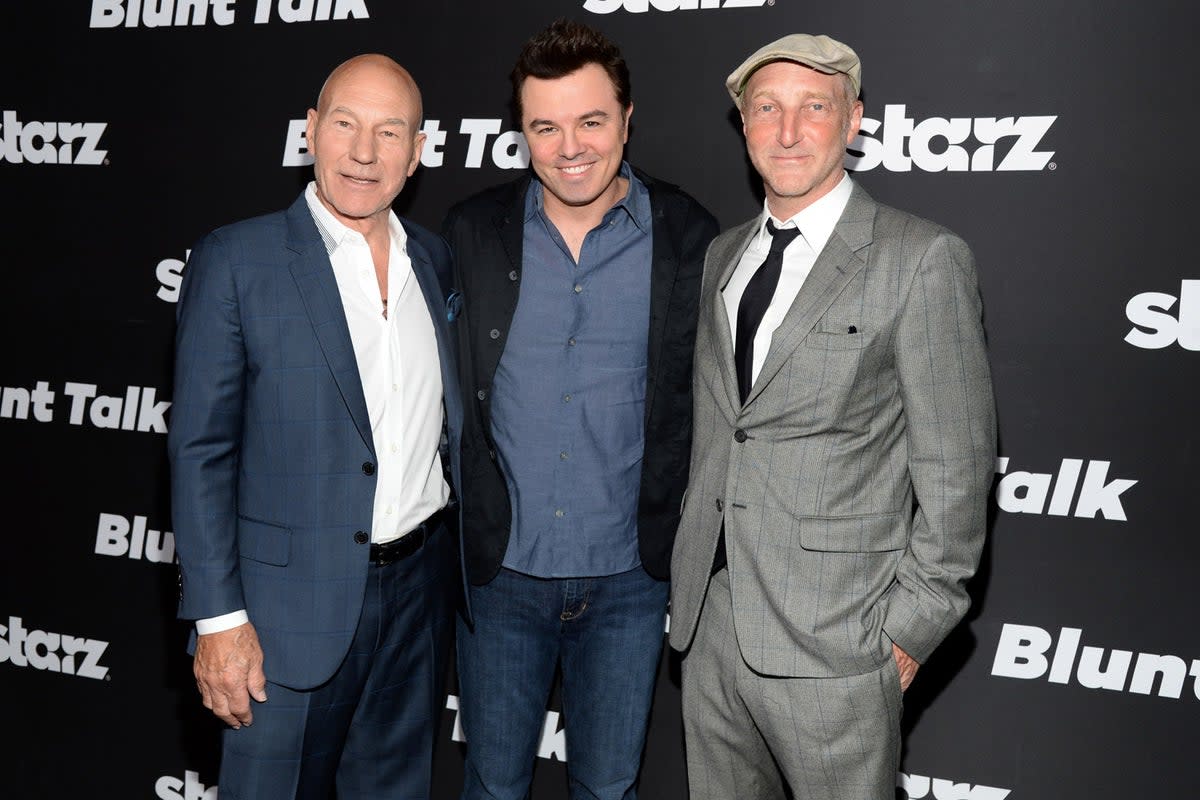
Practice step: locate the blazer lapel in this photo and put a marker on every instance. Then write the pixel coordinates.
(836, 266)
(318, 291)
(721, 326)
(435, 298)
(664, 265)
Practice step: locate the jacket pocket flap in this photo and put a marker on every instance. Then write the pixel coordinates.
(861, 534)
(261, 541)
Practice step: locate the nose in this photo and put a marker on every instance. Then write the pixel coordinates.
(569, 146)
(362, 148)
(790, 129)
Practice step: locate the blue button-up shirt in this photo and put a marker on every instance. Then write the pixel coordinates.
(569, 395)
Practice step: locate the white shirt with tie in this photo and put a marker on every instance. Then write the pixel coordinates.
(816, 224)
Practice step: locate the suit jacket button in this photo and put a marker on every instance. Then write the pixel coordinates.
(481, 394)
(368, 468)
(512, 276)
(494, 333)
(361, 537)
(720, 505)
(740, 436)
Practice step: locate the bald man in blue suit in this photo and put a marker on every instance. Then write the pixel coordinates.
(313, 442)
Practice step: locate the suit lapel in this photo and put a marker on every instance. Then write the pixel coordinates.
(721, 327)
(318, 290)
(435, 298)
(836, 266)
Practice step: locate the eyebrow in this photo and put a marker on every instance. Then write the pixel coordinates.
(389, 121)
(767, 92)
(595, 113)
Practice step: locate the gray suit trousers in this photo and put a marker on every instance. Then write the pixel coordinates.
(747, 734)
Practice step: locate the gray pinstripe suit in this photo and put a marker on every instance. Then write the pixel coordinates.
(853, 481)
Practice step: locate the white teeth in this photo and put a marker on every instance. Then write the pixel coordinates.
(576, 170)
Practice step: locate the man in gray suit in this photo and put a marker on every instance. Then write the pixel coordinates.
(844, 448)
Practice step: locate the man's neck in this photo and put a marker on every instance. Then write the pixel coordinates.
(581, 219)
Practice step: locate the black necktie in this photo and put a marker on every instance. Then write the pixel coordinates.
(753, 305)
(755, 299)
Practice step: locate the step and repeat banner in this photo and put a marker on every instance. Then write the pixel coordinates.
(1054, 136)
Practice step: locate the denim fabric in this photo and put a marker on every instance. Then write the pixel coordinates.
(607, 633)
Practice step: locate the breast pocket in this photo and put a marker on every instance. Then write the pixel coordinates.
(837, 335)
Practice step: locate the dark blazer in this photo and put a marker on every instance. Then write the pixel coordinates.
(272, 459)
(486, 233)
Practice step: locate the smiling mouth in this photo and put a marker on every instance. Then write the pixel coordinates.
(360, 181)
(578, 169)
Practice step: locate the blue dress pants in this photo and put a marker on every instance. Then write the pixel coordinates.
(369, 731)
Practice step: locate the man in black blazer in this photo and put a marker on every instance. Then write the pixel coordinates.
(580, 286)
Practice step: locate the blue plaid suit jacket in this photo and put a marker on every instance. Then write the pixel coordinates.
(269, 438)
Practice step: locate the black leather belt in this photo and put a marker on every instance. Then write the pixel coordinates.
(406, 545)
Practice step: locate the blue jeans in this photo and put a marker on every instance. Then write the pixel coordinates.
(608, 634)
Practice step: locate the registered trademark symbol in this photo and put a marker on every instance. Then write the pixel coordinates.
(108, 677)
(106, 162)
(1052, 166)
(770, 2)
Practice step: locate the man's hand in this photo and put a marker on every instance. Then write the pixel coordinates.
(229, 671)
(907, 665)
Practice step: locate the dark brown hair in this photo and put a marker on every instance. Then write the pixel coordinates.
(563, 48)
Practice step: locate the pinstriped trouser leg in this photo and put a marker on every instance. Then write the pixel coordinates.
(748, 734)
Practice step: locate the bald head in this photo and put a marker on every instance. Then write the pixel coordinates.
(371, 68)
(365, 139)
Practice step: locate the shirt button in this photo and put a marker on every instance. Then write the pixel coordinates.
(578, 288)
(388, 511)
(395, 448)
(395, 387)
(566, 398)
(563, 455)
(558, 512)
(571, 341)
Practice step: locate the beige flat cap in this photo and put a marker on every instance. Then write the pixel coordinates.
(819, 52)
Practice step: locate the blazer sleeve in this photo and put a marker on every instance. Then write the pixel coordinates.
(205, 433)
(946, 395)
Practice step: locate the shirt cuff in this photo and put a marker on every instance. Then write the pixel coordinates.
(222, 623)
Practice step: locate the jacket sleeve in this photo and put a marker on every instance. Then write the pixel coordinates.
(205, 433)
(946, 395)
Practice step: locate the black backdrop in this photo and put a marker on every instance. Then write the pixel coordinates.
(1055, 136)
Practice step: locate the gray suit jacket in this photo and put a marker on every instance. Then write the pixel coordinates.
(853, 482)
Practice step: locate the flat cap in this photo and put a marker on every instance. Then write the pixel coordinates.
(819, 52)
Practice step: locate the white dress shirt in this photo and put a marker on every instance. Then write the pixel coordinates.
(816, 224)
(401, 377)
